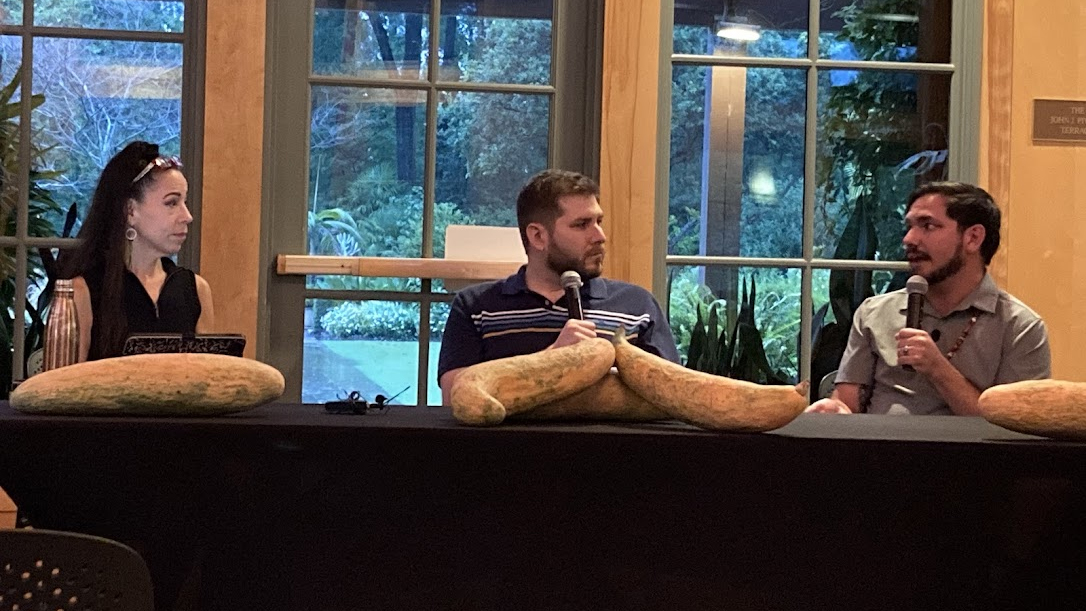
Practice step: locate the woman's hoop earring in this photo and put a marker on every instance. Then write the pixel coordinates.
(130, 234)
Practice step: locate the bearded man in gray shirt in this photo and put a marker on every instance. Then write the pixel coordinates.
(972, 335)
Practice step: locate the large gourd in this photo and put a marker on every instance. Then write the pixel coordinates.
(705, 400)
(608, 399)
(485, 393)
(151, 385)
(1052, 408)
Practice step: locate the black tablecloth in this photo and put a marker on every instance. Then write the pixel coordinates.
(287, 507)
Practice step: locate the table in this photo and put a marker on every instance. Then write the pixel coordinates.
(287, 507)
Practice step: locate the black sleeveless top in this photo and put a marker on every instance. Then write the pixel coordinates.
(178, 303)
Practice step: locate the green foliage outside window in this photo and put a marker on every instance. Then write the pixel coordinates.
(869, 128)
(380, 320)
(41, 205)
(366, 162)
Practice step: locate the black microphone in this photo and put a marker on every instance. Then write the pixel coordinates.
(571, 282)
(917, 288)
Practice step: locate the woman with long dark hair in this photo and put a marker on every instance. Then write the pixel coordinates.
(125, 281)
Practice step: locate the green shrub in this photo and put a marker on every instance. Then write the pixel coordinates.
(776, 312)
(380, 320)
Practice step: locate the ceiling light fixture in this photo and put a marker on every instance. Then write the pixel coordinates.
(743, 32)
(896, 17)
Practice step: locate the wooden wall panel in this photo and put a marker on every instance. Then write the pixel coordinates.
(233, 140)
(1043, 186)
(631, 86)
(995, 137)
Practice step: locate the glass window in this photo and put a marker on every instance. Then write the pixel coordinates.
(886, 30)
(488, 146)
(366, 163)
(491, 43)
(749, 333)
(752, 28)
(411, 130)
(791, 147)
(141, 15)
(374, 41)
(100, 96)
(737, 161)
(371, 347)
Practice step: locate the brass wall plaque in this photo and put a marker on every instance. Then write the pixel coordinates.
(1059, 121)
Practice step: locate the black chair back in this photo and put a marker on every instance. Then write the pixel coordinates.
(51, 570)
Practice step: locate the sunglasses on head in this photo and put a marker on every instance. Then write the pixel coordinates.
(162, 163)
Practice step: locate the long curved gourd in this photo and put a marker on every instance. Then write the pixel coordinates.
(1052, 408)
(608, 399)
(485, 393)
(705, 400)
(151, 385)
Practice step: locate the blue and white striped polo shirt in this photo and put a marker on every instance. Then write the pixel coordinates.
(504, 318)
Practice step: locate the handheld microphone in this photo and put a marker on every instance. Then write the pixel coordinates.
(917, 288)
(571, 282)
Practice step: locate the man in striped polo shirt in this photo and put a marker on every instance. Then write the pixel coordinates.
(560, 221)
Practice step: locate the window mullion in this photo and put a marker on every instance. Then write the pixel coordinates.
(22, 210)
(806, 291)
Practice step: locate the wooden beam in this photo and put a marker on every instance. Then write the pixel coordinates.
(631, 85)
(995, 137)
(233, 157)
(395, 267)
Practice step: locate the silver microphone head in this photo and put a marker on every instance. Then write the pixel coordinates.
(571, 279)
(916, 285)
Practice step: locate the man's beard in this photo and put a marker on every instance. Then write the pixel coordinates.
(953, 266)
(559, 262)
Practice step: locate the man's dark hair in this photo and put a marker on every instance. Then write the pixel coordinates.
(538, 200)
(968, 205)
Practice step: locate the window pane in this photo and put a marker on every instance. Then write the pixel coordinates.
(439, 314)
(11, 57)
(9, 137)
(763, 303)
(11, 11)
(99, 95)
(372, 41)
(512, 45)
(878, 30)
(737, 138)
(880, 134)
(368, 346)
(366, 166)
(766, 28)
(143, 15)
(489, 145)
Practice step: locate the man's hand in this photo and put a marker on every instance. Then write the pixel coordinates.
(916, 348)
(844, 400)
(828, 406)
(573, 332)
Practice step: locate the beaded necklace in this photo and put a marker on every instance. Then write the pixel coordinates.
(961, 338)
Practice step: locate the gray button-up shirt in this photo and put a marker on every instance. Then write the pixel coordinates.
(1008, 343)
